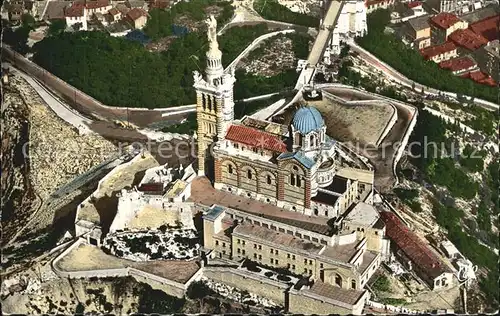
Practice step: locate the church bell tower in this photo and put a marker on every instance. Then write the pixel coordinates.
(214, 100)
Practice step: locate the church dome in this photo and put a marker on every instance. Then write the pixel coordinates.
(307, 119)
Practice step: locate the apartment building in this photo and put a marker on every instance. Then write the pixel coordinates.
(488, 59)
(459, 65)
(443, 25)
(440, 52)
(346, 258)
(418, 32)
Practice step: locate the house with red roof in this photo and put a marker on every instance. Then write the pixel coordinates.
(137, 17)
(438, 53)
(488, 28)
(79, 12)
(459, 65)
(480, 77)
(114, 15)
(416, 254)
(443, 24)
(467, 41)
(76, 16)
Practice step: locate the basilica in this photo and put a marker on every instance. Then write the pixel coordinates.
(297, 167)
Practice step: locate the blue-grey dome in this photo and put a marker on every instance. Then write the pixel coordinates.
(307, 119)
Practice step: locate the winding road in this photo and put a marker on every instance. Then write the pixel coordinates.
(401, 79)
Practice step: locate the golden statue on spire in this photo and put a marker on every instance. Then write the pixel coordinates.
(212, 32)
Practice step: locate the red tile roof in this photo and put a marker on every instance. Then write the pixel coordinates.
(369, 3)
(255, 138)
(74, 10)
(437, 50)
(136, 13)
(113, 11)
(480, 77)
(444, 20)
(414, 4)
(96, 4)
(413, 247)
(151, 187)
(488, 28)
(457, 64)
(467, 39)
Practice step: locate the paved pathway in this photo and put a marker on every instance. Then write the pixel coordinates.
(62, 110)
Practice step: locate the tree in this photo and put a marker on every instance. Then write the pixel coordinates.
(198, 291)
(344, 52)
(272, 10)
(28, 21)
(77, 26)
(56, 27)
(17, 39)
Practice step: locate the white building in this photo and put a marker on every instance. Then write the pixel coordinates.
(79, 12)
(76, 13)
(163, 190)
(351, 23)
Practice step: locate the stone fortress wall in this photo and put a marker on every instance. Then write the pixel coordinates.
(250, 282)
(170, 287)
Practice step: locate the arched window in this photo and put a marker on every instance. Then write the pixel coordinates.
(353, 284)
(338, 280)
(230, 169)
(292, 179)
(311, 140)
(209, 103)
(269, 181)
(249, 174)
(316, 211)
(298, 181)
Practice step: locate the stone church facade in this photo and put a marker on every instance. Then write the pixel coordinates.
(296, 167)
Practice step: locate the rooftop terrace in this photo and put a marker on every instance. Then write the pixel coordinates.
(202, 192)
(282, 239)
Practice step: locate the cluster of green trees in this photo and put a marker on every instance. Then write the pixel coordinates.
(409, 197)
(382, 284)
(471, 159)
(272, 10)
(434, 156)
(443, 170)
(157, 302)
(250, 85)
(300, 42)
(189, 126)
(410, 63)
(119, 72)
(160, 23)
(17, 38)
(236, 39)
(449, 218)
(351, 77)
(484, 120)
(493, 182)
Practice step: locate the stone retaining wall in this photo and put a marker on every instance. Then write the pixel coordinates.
(261, 286)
